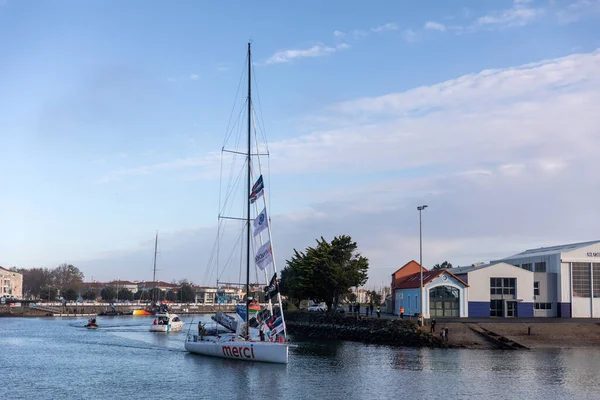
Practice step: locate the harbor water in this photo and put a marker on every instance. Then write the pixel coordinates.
(57, 358)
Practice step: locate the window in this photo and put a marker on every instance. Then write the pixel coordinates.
(526, 266)
(543, 306)
(596, 287)
(444, 302)
(581, 279)
(496, 308)
(540, 266)
(502, 286)
(536, 288)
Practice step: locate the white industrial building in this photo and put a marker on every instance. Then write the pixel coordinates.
(498, 290)
(567, 276)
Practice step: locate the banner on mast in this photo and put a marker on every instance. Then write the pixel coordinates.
(257, 190)
(264, 256)
(273, 288)
(261, 222)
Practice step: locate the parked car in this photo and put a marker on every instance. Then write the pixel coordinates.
(340, 309)
(318, 307)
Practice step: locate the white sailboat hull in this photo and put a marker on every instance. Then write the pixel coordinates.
(239, 350)
(172, 327)
(171, 323)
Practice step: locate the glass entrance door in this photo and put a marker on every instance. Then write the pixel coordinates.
(511, 308)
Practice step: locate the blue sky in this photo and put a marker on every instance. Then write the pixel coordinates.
(114, 113)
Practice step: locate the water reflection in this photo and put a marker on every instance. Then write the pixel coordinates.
(55, 358)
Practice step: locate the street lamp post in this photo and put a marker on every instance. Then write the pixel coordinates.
(421, 208)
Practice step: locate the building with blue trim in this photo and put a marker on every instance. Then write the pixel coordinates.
(559, 281)
(444, 294)
(566, 279)
(498, 290)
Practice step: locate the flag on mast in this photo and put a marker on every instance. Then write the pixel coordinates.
(257, 189)
(261, 222)
(272, 289)
(264, 256)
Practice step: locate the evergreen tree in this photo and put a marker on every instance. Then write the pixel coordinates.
(325, 272)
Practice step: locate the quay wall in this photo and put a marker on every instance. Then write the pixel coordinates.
(394, 332)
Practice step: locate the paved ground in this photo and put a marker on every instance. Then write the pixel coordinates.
(545, 332)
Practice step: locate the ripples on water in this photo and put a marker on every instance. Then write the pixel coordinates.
(59, 359)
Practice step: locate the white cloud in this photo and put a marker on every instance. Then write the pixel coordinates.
(320, 49)
(518, 15)
(577, 9)
(385, 28)
(500, 156)
(287, 56)
(435, 26)
(194, 77)
(495, 115)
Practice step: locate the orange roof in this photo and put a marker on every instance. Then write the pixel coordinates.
(411, 267)
(413, 281)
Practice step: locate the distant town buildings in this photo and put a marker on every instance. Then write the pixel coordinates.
(203, 294)
(11, 283)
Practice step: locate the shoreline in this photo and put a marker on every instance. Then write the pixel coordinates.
(484, 334)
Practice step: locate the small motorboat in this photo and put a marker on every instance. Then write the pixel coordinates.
(91, 324)
(167, 322)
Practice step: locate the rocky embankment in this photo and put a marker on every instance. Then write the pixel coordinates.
(366, 330)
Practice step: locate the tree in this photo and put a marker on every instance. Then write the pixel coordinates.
(70, 294)
(48, 293)
(34, 280)
(171, 295)
(157, 295)
(374, 297)
(89, 295)
(188, 294)
(125, 294)
(66, 276)
(108, 293)
(141, 295)
(443, 265)
(325, 272)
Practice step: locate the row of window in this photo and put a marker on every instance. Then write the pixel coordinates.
(503, 285)
(543, 306)
(539, 266)
(582, 283)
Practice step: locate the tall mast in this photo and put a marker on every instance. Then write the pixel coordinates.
(154, 273)
(248, 197)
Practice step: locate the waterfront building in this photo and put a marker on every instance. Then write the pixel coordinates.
(444, 294)
(566, 279)
(205, 294)
(559, 281)
(11, 283)
(119, 284)
(148, 286)
(498, 290)
(361, 295)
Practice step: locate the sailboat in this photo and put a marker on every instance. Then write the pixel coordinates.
(237, 342)
(146, 311)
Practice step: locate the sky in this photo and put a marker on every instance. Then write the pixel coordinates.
(113, 115)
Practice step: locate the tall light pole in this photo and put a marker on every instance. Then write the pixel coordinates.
(421, 208)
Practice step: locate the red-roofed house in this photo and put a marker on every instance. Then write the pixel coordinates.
(445, 295)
